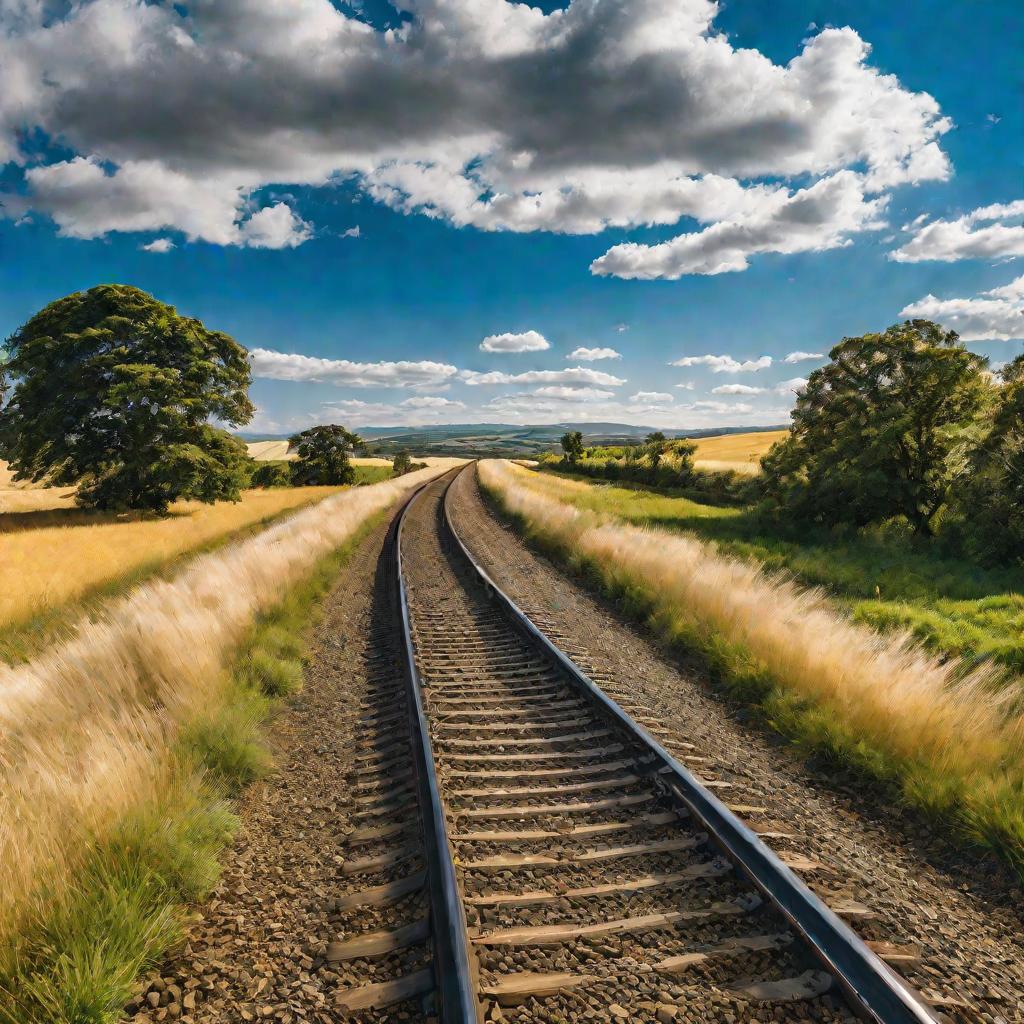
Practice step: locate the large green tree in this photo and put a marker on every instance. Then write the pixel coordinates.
(324, 455)
(572, 445)
(114, 391)
(882, 430)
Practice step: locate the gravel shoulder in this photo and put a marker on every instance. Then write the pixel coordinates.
(259, 947)
(953, 923)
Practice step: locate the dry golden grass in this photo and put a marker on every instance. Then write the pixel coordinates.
(22, 497)
(738, 452)
(952, 737)
(723, 466)
(48, 558)
(87, 730)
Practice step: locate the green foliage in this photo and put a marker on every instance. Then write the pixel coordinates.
(402, 463)
(990, 508)
(889, 579)
(572, 445)
(112, 390)
(882, 430)
(324, 456)
(274, 473)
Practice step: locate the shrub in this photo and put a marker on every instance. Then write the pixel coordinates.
(271, 474)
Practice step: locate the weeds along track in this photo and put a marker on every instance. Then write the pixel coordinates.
(576, 871)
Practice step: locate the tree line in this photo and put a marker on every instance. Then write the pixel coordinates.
(115, 392)
(903, 426)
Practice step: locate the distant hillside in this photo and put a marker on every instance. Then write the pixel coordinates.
(508, 439)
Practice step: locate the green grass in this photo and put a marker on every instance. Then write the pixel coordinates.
(889, 580)
(372, 474)
(79, 964)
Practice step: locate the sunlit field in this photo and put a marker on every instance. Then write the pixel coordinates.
(48, 558)
(946, 732)
(739, 452)
(89, 731)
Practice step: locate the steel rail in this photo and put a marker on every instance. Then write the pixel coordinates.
(455, 978)
(874, 991)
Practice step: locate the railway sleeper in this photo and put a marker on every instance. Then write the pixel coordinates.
(539, 935)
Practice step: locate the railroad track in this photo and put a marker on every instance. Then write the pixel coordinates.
(573, 870)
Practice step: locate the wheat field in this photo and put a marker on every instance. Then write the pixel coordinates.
(740, 453)
(87, 730)
(48, 558)
(953, 738)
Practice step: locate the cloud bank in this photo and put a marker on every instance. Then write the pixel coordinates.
(176, 116)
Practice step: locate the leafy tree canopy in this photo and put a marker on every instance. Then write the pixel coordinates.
(882, 430)
(572, 445)
(323, 455)
(992, 501)
(402, 463)
(113, 390)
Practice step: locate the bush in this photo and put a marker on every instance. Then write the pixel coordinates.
(271, 474)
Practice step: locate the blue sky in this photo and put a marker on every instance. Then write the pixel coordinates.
(723, 202)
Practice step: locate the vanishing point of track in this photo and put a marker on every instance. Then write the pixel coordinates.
(573, 869)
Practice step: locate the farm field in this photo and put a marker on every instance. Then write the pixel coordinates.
(52, 557)
(127, 739)
(739, 452)
(952, 605)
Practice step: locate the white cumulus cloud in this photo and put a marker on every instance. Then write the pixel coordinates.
(574, 375)
(802, 357)
(527, 341)
(432, 402)
(651, 398)
(343, 372)
(158, 245)
(737, 389)
(791, 386)
(989, 232)
(995, 315)
(564, 394)
(589, 355)
(725, 364)
(822, 216)
(188, 110)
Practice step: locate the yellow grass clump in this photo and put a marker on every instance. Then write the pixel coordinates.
(953, 738)
(88, 729)
(50, 558)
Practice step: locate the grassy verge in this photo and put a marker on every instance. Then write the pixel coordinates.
(950, 739)
(79, 961)
(890, 582)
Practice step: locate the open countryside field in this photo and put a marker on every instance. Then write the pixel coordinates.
(739, 452)
(954, 606)
(130, 732)
(53, 554)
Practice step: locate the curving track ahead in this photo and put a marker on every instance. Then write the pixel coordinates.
(574, 869)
